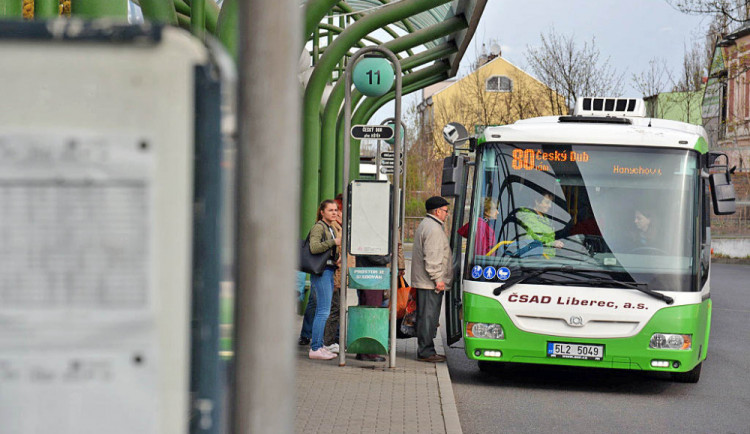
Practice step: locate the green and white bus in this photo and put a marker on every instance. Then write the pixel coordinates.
(587, 242)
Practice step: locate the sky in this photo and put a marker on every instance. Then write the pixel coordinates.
(629, 32)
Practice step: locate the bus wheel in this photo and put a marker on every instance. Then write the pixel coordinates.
(490, 367)
(691, 376)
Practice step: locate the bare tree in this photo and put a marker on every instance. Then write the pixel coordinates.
(573, 70)
(424, 167)
(654, 79)
(695, 66)
(477, 102)
(727, 13)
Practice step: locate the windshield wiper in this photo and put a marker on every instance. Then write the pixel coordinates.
(643, 287)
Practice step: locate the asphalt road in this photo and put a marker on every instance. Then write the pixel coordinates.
(531, 398)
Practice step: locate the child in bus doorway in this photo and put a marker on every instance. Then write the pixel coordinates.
(485, 234)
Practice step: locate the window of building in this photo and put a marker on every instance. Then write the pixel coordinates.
(499, 83)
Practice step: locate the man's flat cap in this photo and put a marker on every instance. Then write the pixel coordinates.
(435, 202)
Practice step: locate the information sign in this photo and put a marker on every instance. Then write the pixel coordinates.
(371, 132)
(388, 155)
(388, 170)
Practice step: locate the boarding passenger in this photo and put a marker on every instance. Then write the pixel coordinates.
(431, 274)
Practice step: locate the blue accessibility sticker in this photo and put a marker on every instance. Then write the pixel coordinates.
(503, 273)
(476, 272)
(489, 273)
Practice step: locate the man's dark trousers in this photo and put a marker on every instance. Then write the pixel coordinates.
(428, 315)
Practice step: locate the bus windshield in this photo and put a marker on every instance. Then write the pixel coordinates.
(615, 212)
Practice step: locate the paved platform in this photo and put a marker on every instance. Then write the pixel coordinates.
(369, 397)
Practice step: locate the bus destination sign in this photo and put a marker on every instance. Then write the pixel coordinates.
(381, 132)
(536, 159)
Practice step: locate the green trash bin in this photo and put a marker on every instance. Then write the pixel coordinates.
(367, 330)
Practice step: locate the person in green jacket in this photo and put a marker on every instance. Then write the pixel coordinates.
(538, 226)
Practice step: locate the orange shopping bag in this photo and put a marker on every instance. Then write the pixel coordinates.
(407, 299)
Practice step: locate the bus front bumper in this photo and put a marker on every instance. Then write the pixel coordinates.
(632, 352)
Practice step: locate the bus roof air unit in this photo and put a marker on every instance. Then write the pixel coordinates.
(628, 107)
(606, 110)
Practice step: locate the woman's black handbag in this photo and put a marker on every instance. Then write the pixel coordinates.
(311, 263)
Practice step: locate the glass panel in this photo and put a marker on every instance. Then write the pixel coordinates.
(624, 213)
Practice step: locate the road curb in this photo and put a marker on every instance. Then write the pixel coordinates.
(447, 400)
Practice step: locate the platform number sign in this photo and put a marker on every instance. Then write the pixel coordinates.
(370, 73)
(373, 76)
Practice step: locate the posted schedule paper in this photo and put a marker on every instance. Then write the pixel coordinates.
(77, 342)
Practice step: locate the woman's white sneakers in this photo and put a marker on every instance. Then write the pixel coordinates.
(333, 348)
(321, 354)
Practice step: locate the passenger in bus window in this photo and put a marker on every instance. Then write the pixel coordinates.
(538, 226)
(646, 235)
(485, 234)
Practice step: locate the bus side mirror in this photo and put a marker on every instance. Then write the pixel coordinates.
(722, 193)
(455, 133)
(722, 189)
(453, 176)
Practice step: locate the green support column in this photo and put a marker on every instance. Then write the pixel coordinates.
(212, 11)
(314, 91)
(227, 29)
(212, 15)
(159, 11)
(99, 9)
(44, 9)
(11, 8)
(198, 18)
(315, 10)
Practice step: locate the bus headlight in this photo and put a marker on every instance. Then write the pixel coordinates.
(666, 341)
(483, 330)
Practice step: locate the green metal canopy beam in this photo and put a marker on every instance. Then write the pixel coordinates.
(46, 9)
(159, 10)
(99, 9)
(226, 27)
(315, 87)
(345, 8)
(338, 30)
(11, 8)
(198, 18)
(427, 34)
(438, 52)
(315, 11)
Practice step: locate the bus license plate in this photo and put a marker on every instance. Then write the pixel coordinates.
(563, 350)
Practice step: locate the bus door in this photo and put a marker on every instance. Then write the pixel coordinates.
(454, 182)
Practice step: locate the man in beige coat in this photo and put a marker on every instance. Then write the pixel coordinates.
(431, 274)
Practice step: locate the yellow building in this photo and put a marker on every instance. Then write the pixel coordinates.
(496, 93)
